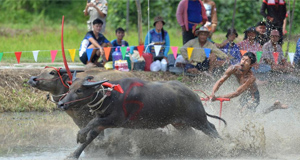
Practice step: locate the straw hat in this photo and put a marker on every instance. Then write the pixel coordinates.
(201, 29)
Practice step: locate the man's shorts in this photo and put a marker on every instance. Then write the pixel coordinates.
(84, 58)
(200, 66)
(250, 102)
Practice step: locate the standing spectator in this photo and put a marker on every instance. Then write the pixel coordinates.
(198, 60)
(189, 14)
(229, 47)
(249, 44)
(120, 33)
(276, 13)
(96, 9)
(267, 56)
(158, 36)
(94, 39)
(211, 12)
(262, 37)
(297, 54)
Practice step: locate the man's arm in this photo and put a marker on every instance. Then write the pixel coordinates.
(241, 88)
(218, 84)
(263, 9)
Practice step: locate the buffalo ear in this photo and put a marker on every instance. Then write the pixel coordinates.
(74, 76)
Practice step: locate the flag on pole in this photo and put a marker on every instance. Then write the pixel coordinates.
(1, 55)
(123, 51)
(243, 52)
(141, 49)
(291, 56)
(275, 56)
(258, 56)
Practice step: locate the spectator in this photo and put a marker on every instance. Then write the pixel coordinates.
(262, 37)
(96, 9)
(120, 33)
(189, 14)
(297, 54)
(198, 60)
(211, 12)
(229, 47)
(276, 13)
(249, 44)
(94, 39)
(267, 56)
(158, 36)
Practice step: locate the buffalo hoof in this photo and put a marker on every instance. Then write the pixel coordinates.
(81, 137)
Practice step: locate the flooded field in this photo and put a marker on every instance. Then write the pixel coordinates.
(39, 136)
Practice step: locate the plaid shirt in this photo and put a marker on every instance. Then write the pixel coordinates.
(297, 54)
(245, 45)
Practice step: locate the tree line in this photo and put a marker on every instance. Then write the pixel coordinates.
(34, 11)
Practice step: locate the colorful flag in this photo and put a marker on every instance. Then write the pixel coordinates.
(89, 53)
(53, 55)
(35, 55)
(258, 56)
(189, 52)
(123, 51)
(291, 56)
(275, 56)
(72, 54)
(174, 50)
(1, 55)
(107, 52)
(157, 49)
(141, 49)
(18, 56)
(243, 52)
(207, 52)
(131, 49)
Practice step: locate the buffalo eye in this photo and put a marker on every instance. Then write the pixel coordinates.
(52, 73)
(78, 91)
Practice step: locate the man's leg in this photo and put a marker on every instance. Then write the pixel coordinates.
(276, 105)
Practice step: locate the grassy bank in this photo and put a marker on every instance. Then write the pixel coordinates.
(46, 37)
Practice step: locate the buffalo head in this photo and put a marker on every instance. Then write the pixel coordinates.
(81, 92)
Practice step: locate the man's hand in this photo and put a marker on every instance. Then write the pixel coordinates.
(212, 97)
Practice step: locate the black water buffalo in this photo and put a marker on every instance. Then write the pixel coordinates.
(143, 105)
(55, 81)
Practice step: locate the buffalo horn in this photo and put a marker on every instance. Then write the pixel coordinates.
(74, 76)
(92, 84)
(62, 71)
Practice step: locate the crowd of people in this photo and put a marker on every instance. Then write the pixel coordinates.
(260, 51)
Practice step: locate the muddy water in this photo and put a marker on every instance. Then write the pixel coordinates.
(252, 136)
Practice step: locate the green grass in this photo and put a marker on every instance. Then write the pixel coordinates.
(46, 37)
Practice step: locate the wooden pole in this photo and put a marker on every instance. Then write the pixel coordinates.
(140, 29)
(127, 17)
(290, 30)
(233, 16)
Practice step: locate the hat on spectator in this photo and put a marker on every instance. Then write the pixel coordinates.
(261, 23)
(250, 29)
(201, 29)
(274, 32)
(231, 31)
(157, 19)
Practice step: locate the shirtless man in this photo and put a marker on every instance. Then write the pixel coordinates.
(250, 97)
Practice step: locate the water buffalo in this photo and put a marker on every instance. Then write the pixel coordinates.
(143, 105)
(55, 81)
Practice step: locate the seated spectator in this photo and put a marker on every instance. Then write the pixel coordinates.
(297, 55)
(198, 60)
(120, 33)
(158, 36)
(229, 47)
(94, 39)
(262, 36)
(267, 56)
(249, 44)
